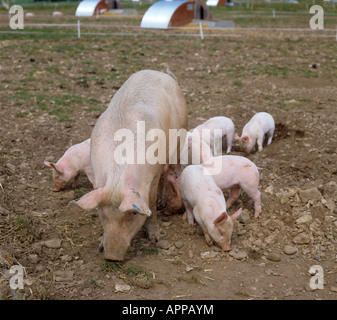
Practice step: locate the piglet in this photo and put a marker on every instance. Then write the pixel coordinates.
(261, 124)
(226, 127)
(195, 150)
(235, 172)
(68, 169)
(205, 202)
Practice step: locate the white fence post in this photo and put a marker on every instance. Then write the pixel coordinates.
(201, 32)
(78, 29)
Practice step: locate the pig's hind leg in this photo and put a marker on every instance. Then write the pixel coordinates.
(233, 195)
(255, 195)
(270, 134)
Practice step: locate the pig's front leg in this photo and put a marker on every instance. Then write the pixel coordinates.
(208, 238)
(152, 226)
(259, 143)
(75, 184)
(189, 212)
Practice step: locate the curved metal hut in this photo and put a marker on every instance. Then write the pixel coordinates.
(176, 13)
(88, 8)
(214, 3)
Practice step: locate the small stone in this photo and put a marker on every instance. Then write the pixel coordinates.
(10, 167)
(53, 243)
(66, 275)
(50, 158)
(269, 189)
(163, 244)
(166, 224)
(188, 269)
(290, 250)
(244, 217)
(179, 244)
(304, 219)
(33, 258)
(122, 288)
(238, 255)
(310, 194)
(66, 258)
(333, 289)
(273, 256)
(301, 238)
(189, 231)
(208, 255)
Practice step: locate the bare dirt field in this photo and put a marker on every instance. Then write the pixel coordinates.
(52, 92)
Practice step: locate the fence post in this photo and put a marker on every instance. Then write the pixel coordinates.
(78, 29)
(201, 32)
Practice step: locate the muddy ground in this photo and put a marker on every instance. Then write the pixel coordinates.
(53, 91)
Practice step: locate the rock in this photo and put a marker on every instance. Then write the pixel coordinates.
(66, 258)
(33, 258)
(273, 256)
(244, 217)
(302, 238)
(208, 255)
(53, 243)
(66, 275)
(10, 167)
(269, 189)
(190, 231)
(238, 255)
(179, 244)
(188, 269)
(330, 204)
(333, 289)
(304, 219)
(312, 194)
(330, 190)
(163, 244)
(166, 224)
(290, 250)
(50, 159)
(122, 288)
(271, 239)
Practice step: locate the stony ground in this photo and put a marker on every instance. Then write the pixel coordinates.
(52, 93)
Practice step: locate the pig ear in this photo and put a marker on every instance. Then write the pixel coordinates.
(235, 215)
(245, 138)
(47, 163)
(172, 183)
(91, 200)
(221, 219)
(55, 166)
(133, 201)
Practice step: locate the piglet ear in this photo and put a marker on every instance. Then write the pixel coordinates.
(55, 166)
(221, 219)
(236, 137)
(235, 215)
(173, 183)
(92, 199)
(245, 138)
(133, 201)
(47, 163)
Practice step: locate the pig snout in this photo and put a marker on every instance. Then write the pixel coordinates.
(226, 247)
(57, 187)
